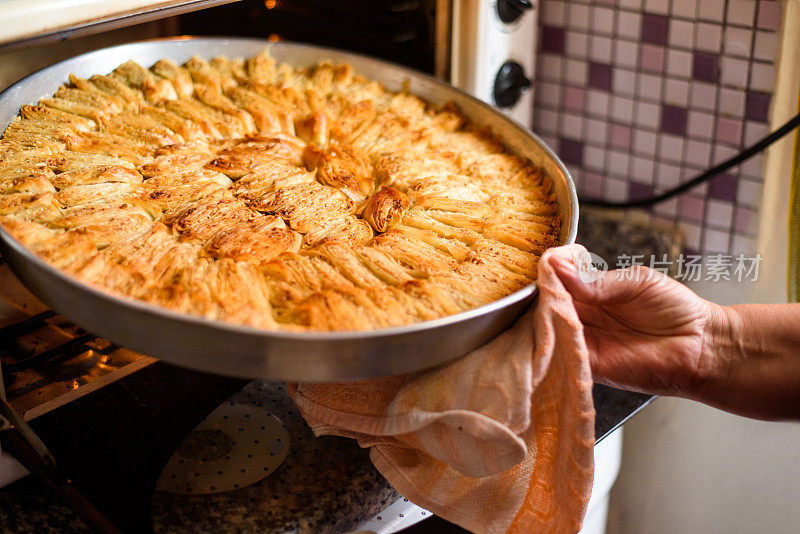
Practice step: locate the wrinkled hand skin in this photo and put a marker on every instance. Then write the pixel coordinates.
(385, 208)
(646, 332)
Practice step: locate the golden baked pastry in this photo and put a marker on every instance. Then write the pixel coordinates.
(281, 198)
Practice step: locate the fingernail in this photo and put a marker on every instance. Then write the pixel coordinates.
(565, 266)
(584, 261)
(587, 272)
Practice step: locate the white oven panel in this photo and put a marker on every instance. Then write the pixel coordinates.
(482, 44)
(25, 21)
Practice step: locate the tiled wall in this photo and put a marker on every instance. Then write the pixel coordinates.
(639, 95)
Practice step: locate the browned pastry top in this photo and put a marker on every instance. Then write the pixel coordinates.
(272, 196)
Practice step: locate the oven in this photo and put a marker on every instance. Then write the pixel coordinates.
(486, 47)
(59, 380)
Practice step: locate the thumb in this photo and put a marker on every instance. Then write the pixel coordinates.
(598, 287)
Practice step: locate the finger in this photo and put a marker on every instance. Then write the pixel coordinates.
(602, 352)
(600, 287)
(596, 317)
(597, 357)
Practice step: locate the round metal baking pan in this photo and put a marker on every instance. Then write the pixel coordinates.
(229, 349)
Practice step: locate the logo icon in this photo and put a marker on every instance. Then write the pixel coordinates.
(591, 267)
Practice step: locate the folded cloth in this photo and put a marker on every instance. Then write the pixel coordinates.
(500, 440)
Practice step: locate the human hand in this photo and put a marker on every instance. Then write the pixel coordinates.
(644, 331)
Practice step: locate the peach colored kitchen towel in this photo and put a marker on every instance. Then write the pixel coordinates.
(500, 440)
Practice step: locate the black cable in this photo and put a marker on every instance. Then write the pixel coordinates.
(742, 156)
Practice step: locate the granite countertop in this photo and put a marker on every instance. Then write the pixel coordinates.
(114, 442)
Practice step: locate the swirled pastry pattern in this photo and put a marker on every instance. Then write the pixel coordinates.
(256, 193)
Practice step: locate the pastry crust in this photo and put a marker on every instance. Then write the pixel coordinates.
(276, 197)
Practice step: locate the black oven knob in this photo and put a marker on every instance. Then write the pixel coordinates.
(511, 10)
(509, 84)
